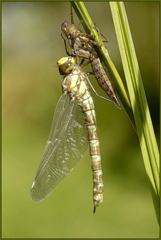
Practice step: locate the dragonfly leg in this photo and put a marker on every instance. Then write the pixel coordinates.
(100, 34)
(96, 91)
(65, 45)
(71, 14)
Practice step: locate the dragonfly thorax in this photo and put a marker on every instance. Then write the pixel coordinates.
(73, 83)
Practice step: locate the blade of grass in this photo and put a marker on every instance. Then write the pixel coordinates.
(138, 100)
(87, 23)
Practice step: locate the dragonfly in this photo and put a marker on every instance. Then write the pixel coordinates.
(73, 127)
(83, 48)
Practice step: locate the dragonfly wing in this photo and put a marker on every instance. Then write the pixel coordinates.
(66, 145)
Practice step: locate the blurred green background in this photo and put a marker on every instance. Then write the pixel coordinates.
(31, 87)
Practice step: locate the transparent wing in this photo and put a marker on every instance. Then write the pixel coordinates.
(66, 145)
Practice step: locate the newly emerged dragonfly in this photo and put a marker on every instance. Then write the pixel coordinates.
(83, 48)
(73, 126)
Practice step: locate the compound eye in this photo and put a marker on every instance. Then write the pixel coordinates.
(64, 27)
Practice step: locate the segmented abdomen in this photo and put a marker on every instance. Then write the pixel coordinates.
(103, 79)
(87, 107)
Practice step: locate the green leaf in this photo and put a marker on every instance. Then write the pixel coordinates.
(138, 100)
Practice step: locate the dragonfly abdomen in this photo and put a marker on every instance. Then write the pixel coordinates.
(87, 107)
(103, 79)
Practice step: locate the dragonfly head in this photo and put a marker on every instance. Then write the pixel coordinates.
(67, 29)
(66, 64)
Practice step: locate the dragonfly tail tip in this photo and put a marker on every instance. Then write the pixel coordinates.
(94, 209)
